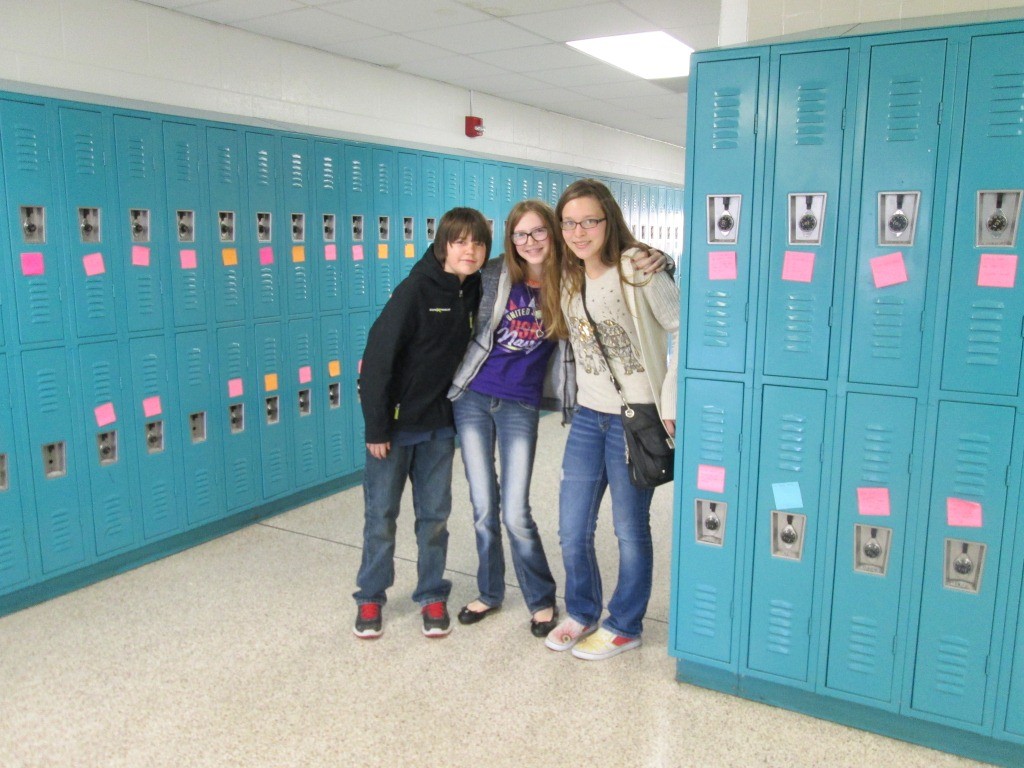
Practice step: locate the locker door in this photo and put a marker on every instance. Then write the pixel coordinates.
(337, 397)
(645, 213)
(155, 443)
(33, 219)
(961, 567)
(235, 421)
(900, 148)
(554, 188)
(492, 201)
(801, 258)
(14, 563)
(724, 110)
(788, 507)
(508, 193)
(190, 254)
(432, 203)
(201, 454)
(986, 297)
(538, 184)
(301, 229)
(88, 217)
(473, 185)
(408, 219)
(108, 455)
(306, 380)
(452, 183)
(61, 514)
(279, 410)
(524, 184)
(266, 231)
(144, 250)
(704, 571)
(329, 216)
(357, 208)
(384, 224)
(225, 218)
(359, 329)
(870, 546)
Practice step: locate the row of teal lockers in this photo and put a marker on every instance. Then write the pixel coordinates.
(848, 502)
(183, 310)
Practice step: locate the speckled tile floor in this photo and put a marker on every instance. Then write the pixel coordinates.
(240, 653)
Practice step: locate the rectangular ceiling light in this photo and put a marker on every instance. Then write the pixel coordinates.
(650, 55)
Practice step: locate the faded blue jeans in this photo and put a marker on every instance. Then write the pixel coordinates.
(482, 423)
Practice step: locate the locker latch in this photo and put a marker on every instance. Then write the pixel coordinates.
(431, 228)
(197, 426)
(709, 519)
(186, 226)
(236, 418)
(305, 403)
(272, 408)
(5, 477)
(384, 227)
(154, 436)
(226, 220)
(55, 460)
(334, 394)
(788, 534)
(897, 217)
(964, 563)
(329, 227)
(408, 229)
(871, 546)
(263, 227)
(357, 228)
(998, 217)
(106, 448)
(806, 218)
(33, 223)
(298, 227)
(138, 223)
(89, 224)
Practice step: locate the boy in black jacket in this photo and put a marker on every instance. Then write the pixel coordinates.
(412, 352)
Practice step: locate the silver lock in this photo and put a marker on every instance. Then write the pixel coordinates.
(272, 409)
(264, 225)
(138, 225)
(408, 229)
(55, 463)
(5, 477)
(871, 546)
(788, 530)
(305, 402)
(33, 224)
(806, 218)
(186, 226)
(709, 518)
(154, 436)
(236, 418)
(357, 228)
(723, 218)
(383, 227)
(998, 217)
(106, 448)
(197, 427)
(298, 227)
(226, 225)
(334, 394)
(963, 565)
(89, 225)
(431, 228)
(329, 230)
(897, 217)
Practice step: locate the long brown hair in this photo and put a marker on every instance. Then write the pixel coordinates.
(617, 239)
(551, 271)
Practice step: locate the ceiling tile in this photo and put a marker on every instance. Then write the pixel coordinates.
(387, 51)
(500, 85)
(479, 36)
(406, 15)
(676, 13)
(309, 26)
(534, 58)
(450, 69)
(594, 74)
(598, 20)
(233, 11)
(505, 8)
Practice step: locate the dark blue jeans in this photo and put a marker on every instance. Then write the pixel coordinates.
(429, 466)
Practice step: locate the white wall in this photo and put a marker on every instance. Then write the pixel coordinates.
(126, 52)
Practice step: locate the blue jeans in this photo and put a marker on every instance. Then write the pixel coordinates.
(429, 466)
(482, 422)
(595, 458)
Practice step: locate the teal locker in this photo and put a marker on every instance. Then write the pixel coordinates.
(336, 396)
(191, 252)
(359, 330)
(554, 188)
(279, 410)
(615, 187)
(385, 225)
(645, 213)
(1010, 699)
(302, 230)
(306, 380)
(473, 184)
(539, 184)
(61, 515)
(985, 310)
(524, 184)
(14, 563)
(409, 234)
(723, 246)
(788, 506)
(875, 502)
(197, 411)
(452, 182)
(961, 566)
(634, 207)
(808, 113)
(236, 383)
(901, 142)
(492, 202)
(144, 250)
(267, 232)
(108, 425)
(154, 443)
(707, 534)
(89, 220)
(357, 209)
(432, 205)
(33, 219)
(225, 219)
(329, 216)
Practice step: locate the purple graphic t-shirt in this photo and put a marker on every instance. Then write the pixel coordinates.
(519, 358)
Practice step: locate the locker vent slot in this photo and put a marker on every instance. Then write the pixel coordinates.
(491, 188)
(150, 365)
(799, 323)
(297, 171)
(327, 175)
(510, 189)
(304, 346)
(523, 194)
(903, 120)
(103, 381)
(876, 462)
(985, 333)
(39, 301)
(712, 434)
(792, 443)
(336, 444)
(780, 627)
(862, 651)
(812, 107)
(951, 665)
(263, 171)
(270, 353)
(705, 610)
(275, 468)
(137, 165)
(202, 488)
(408, 182)
(473, 188)
(241, 473)
(233, 356)
(332, 343)
(383, 180)
(717, 319)
(356, 172)
(159, 507)
(225, 164)
(887, 323)
(452, 187)
(195, 371)
(85, 154)
(183, 162)
(1006, 113)
(974, 466)
(430, 184)
(26, 141)
(48, 395)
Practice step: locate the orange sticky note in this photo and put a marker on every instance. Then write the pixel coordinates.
(270, 382)
(151, 406)
(235, 388)
(888, 270)
(798, 266)
(410, 251)
(873, 501)
(93, 264)
(382, 250)
(334, 368)
(330, 252)
(305, 374)
(722, 265)
(140, 256)
(229, 256)
(963, 513)
(298, 253)
(105, 414)
(997, 270)
(711, 478)
(188, 259)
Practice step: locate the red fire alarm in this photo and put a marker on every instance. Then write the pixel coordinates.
(474, 126)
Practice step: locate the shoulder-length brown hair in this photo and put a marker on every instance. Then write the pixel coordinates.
(551, 272)
(618, 238)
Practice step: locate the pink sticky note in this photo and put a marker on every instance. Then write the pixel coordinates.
(140, 256)
(357, 253)
(997, 270)
(722, 265)
(266, 255)
(93, 264)
(305, 374)
(32, 264)
(105, 414)
(330, 252)
(151, 406)
(889, 269)
(966, 514)
(235, 388)
(873, 501)
(188, 259)
(711, 478)
(798, 266)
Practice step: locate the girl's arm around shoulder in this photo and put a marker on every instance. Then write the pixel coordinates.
(662, 295)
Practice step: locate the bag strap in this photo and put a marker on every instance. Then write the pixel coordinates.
(627, 410)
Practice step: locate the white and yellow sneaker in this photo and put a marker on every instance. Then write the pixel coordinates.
(603, 645)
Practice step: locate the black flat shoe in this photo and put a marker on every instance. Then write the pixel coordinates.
(466, 616)
(543, 628)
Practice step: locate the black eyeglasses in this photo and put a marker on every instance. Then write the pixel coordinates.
(539, 235)
(568, 225)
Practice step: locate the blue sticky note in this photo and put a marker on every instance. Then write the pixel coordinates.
(787, 496)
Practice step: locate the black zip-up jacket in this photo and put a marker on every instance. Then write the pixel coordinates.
(413, 350)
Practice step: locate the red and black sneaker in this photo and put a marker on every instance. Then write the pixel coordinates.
(436, 622)
(369, 623)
